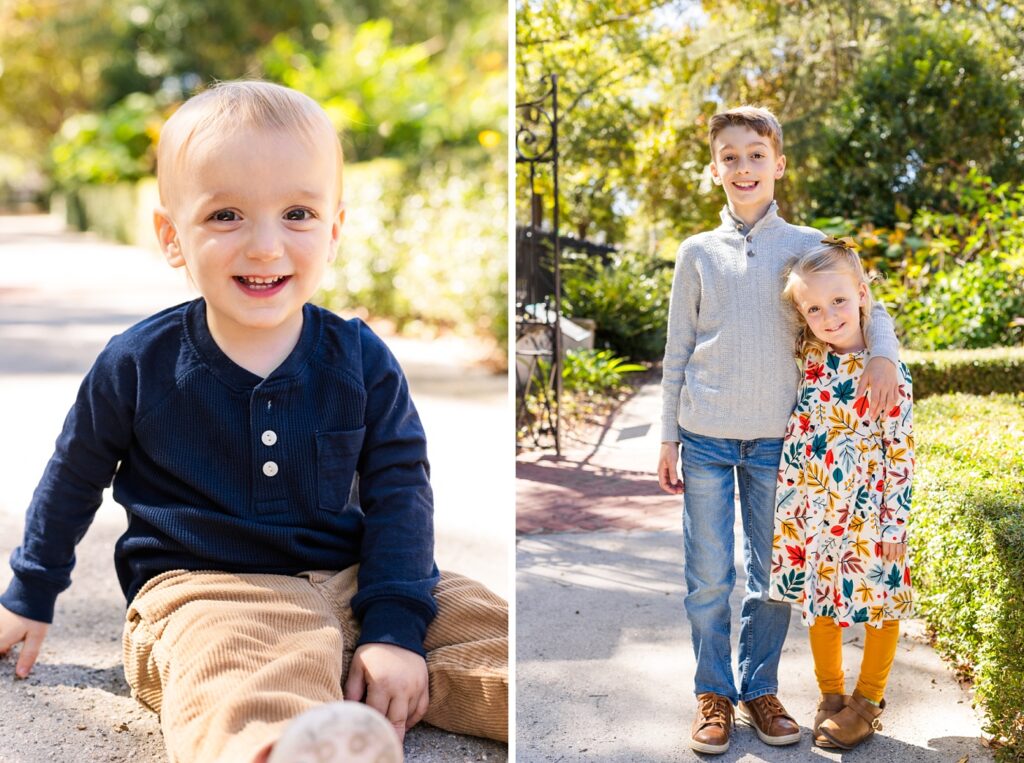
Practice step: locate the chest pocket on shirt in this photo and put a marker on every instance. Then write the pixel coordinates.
(337, 454)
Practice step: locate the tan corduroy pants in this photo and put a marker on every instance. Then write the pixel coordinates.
(228, 659)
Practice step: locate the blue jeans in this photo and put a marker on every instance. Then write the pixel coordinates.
(709, 465)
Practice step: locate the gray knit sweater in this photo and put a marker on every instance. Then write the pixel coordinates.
(729, 370)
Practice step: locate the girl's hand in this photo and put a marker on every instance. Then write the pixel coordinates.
(893, 552)
(667, 477)
(883, 380)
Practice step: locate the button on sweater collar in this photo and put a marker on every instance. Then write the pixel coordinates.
(233, 374)
(768, 219)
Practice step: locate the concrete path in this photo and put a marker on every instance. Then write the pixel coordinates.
(61, 298)
(604, 660)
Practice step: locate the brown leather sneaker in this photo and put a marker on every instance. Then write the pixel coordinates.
(713, 724)
(854, 723)
(828, 705)
(770, 721)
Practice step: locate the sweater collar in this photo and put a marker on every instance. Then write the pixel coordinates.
(768, 219)
(233, 374)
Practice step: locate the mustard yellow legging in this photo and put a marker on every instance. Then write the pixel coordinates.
(879, 651)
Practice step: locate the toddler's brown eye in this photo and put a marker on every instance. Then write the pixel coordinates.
(298, 214)
(224, 216)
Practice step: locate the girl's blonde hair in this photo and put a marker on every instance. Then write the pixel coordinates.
(830, 258)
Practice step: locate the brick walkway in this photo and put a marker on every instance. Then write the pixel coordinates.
(603, 481)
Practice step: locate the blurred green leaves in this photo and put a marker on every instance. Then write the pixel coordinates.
(417, 90)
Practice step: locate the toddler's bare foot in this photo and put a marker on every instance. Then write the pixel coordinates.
(339, 732)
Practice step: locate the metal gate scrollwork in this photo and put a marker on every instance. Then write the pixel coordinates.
(538, 276)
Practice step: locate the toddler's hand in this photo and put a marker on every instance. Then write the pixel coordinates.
(15, 629)
(893, 552)
(667, 478)
(393, 681)
(882, 378)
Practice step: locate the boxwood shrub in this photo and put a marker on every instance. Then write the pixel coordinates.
(977, 372)
(968, 547)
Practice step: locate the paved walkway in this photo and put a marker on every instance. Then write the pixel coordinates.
(61, 297)
(604, 660)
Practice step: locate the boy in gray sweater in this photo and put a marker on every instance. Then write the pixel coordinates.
(728, 388)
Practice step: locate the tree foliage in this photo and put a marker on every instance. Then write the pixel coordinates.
(939, 101)
(856, 86)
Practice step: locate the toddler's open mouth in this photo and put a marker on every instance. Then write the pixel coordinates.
(746, 185)
(261, 283)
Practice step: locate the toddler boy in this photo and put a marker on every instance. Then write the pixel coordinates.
(279, 545)
(729, 384)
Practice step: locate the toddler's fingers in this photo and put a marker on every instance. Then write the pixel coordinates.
(395, 709)
(29, 653)
(420, 710)
(355, 684)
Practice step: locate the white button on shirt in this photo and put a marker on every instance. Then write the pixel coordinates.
(270, 468)
(269, 437)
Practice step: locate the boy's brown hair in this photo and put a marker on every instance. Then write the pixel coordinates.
(757, 118)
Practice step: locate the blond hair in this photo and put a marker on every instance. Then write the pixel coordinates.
(757, 118)
(225, 106)
(830, 258)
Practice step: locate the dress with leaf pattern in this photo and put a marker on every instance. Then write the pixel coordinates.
(844, 487)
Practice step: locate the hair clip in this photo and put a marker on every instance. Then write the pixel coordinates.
(846, 242)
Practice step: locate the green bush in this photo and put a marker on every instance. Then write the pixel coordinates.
(627, 298)
(426, 243)
(595, 372)
(951, 279)
(109, 147)
(968, 547)
(975, 372)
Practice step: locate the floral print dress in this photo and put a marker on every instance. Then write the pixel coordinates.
(844, 487)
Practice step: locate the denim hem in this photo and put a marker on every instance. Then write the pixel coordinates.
(759, 693)
(734, 698)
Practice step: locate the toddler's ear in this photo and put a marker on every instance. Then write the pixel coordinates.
(336, 224)
(167, 237)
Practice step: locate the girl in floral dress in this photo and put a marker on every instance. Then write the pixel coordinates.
(843, 497)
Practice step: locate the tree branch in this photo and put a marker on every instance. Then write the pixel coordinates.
(617, 19)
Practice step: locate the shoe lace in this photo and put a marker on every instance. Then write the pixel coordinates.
(770, 706)
(714, 708)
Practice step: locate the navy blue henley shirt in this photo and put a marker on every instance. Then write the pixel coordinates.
(219, 469)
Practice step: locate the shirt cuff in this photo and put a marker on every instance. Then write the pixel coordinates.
(33, 602)
(888, 350)
(390, 621)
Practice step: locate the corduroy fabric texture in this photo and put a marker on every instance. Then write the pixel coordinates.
(879, 653)
(228, 659)
(729, 369)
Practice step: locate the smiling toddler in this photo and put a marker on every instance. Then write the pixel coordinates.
(279, 547)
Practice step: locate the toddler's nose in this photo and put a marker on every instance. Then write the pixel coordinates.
(265, 243)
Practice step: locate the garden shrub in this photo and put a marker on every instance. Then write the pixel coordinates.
(951, 279)
(627, 298)
(426, 243)
(968, 547)
(975, 372)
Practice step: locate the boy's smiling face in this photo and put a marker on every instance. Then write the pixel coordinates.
(255, 218)
(746, 165)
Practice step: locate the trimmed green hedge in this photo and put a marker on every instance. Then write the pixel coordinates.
(968, 547)
(976, 372)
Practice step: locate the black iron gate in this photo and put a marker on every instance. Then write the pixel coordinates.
(538, 276)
